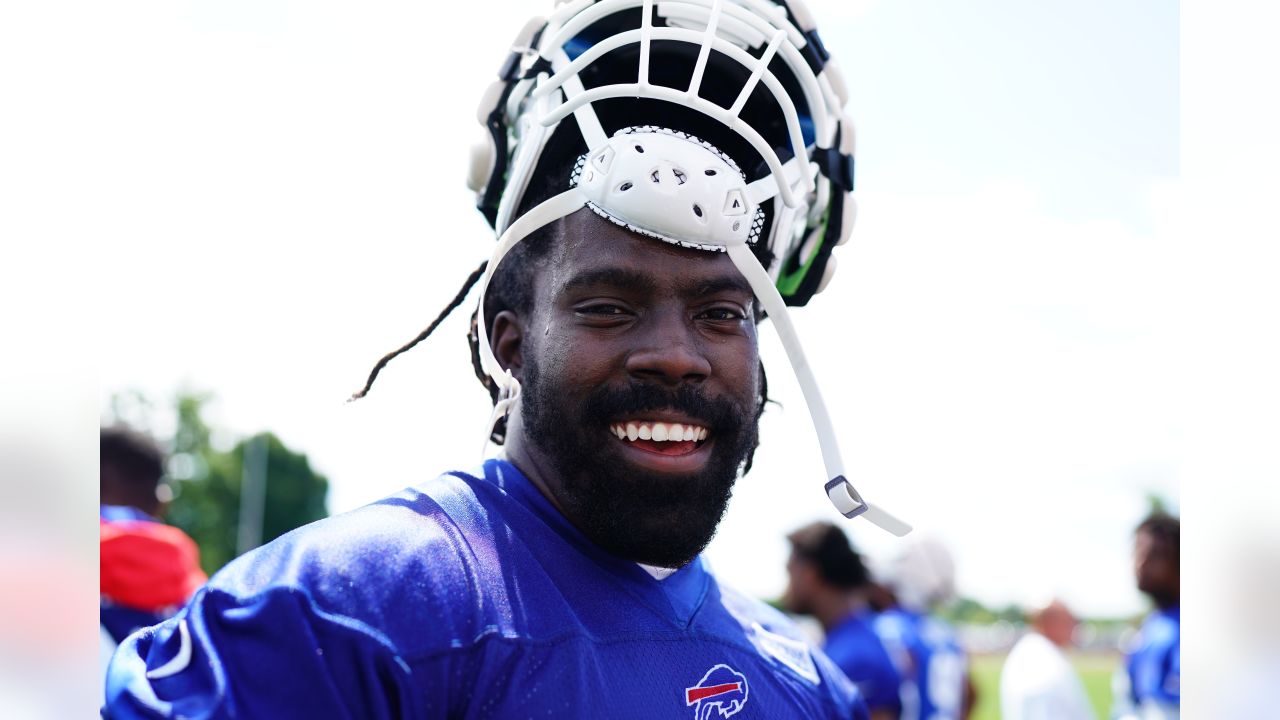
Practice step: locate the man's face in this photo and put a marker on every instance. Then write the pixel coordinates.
(802, 578)
(635, 337)
(1058, 625)
(1155, 563)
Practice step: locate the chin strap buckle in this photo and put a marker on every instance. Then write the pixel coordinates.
(508, 394)
(846, 499)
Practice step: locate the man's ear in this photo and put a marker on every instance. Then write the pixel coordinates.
(507, 339)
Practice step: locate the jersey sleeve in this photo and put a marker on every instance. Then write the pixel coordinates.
(272, 655)
(880, 686)
(845, 696)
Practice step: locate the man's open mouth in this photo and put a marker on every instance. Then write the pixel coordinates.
(662, 438)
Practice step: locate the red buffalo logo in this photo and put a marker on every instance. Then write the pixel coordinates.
(722, 691)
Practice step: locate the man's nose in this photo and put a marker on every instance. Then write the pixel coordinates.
(668, 351)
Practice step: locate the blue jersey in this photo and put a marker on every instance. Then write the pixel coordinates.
(853, 646)
(1154, 665)
(468, 597)
(929, 659)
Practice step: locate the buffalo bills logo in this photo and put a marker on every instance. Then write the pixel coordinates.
(722, 690)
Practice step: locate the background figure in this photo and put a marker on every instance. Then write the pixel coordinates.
(1038, 683)
(148, 569)
(828, 580)
(924, 648)
(1148, 686)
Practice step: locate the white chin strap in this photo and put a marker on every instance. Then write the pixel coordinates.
(676, 188)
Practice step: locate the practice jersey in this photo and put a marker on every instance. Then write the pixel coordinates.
(930, 660)
(854, 647)
(469, 596)
(1150, 686)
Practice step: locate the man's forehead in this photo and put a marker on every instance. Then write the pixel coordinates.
(596, 251)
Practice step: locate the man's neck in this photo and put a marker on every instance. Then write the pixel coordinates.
(530, 463)
(831, 611)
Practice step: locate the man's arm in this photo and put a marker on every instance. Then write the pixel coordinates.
(273, 655)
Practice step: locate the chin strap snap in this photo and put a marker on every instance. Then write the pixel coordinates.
(508, 394)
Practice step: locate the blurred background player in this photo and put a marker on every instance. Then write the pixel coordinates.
(911, 587)
(1038, 682)
(148, 569)
(828, 580)
(1148, 686)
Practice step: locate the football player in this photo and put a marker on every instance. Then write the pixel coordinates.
(659, 175)
(1148, 686)
(827, 579)
(916, 583)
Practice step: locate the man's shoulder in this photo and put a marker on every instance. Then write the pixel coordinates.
(416, 559)
(778, 637)
(365, 542)
(749, 610)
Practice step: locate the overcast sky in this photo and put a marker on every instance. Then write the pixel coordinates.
(286, 180)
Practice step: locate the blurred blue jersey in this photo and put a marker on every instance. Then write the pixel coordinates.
(854, 647)
(929, 659)
(468, 597)
(1153, 666)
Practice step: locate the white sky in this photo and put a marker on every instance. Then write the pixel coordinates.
(283, 183)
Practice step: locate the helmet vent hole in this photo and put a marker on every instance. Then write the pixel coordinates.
(654, 176)
(681, 178)
(697, 210)
(640, 148)
(624, 186)
(709, 172)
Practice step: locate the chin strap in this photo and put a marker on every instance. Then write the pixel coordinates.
(508, 393)
(544, 213)
(839, 490)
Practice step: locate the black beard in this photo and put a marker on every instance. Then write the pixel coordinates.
(642, 516)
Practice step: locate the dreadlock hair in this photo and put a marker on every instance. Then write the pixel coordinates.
(471, 280)
(827, 548)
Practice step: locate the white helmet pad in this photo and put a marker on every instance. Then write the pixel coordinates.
(671, 186)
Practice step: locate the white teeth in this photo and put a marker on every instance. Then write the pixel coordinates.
(659, 432)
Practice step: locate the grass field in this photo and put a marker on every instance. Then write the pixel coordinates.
(1095, 672)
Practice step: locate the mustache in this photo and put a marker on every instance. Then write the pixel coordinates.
(607, 404)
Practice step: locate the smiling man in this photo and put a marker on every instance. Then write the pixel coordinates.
(641, 388)
(617, 333)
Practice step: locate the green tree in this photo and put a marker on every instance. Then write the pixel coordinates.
(207, 485)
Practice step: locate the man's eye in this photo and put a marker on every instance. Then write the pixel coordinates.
(723, 313)
(602, 309)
